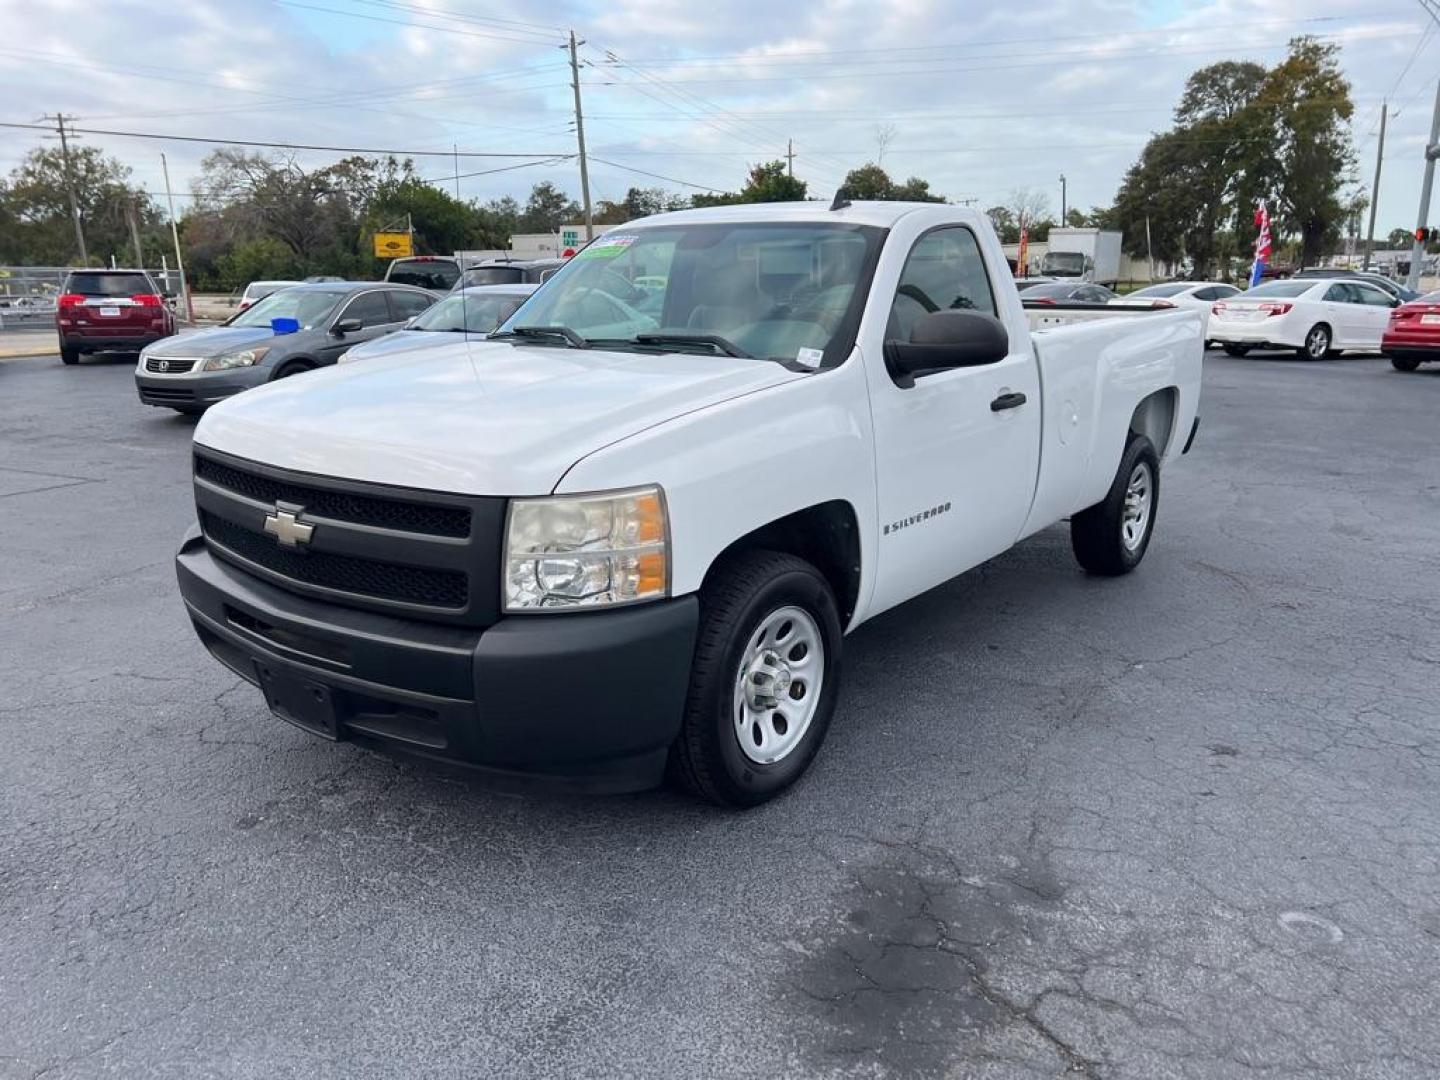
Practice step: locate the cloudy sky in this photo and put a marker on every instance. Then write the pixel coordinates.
(977, 97)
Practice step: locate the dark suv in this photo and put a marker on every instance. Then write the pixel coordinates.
(509, 272)
(110, 309)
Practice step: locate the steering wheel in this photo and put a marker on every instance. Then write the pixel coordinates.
(914, 292)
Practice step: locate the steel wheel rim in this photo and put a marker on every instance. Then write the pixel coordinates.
(1139, 497)
(1318, 343)
(778, 686)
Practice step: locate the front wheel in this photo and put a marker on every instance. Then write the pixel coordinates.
(1317, 343)
(1236, 350)
(763, 681)
(1404, 363)
(1110, 538)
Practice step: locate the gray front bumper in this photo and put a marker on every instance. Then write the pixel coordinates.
(197, 391)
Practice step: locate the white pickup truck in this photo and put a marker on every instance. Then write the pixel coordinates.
(631, 530)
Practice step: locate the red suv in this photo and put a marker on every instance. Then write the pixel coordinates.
(110, 309)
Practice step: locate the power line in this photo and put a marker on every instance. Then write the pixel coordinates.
(284, 145)
(1050, 61)
(951, 46)
(656, 176)
(446, 14)
(532, 40)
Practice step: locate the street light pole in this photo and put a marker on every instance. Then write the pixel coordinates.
(1375, 191)
(1062, 200)
(1432, 151)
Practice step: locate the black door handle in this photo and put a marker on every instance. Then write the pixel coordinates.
(1007, 401)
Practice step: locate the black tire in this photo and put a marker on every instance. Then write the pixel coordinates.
(1097, 535)
(1404, 363)
(1317, 343)
(737, 599)
(1236, 350)
(69, 356)
(294, 367)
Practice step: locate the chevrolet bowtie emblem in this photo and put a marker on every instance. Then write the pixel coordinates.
(289, 530)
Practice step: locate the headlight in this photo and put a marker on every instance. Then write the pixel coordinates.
(571, 551)
(243, 358)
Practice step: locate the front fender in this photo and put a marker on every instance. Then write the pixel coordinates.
(738, 465)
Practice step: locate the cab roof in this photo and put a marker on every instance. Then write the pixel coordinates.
(882, 214)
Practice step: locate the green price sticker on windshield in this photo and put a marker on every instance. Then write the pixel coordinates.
(607, 247)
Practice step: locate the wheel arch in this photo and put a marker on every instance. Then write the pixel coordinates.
(826, 535)
(301, 362)
(1155, 416)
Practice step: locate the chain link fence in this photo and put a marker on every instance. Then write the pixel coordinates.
(28, 293)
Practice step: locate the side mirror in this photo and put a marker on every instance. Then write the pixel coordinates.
(947, 339)
(346, 326)
(1395, 301)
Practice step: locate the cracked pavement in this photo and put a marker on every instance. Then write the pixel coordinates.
(1183, 824)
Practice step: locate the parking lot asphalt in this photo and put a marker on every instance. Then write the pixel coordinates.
(1181, 824)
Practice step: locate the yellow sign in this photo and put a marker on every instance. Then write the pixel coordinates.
(393, 245)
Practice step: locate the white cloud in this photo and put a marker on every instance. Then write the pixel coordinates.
(982, 101)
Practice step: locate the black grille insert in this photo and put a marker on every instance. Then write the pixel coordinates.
(164, 365)
(362, 577)
(416, 517)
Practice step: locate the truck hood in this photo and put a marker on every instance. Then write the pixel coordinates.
(213, 342)
(476, 418)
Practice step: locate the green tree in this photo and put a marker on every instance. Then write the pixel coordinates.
(1307, 100)
(871, 182)
(35, 209)
(1002, 220)
(547, 209)
(770, 182)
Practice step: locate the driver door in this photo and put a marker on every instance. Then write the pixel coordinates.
(373, 311)
(955, 461)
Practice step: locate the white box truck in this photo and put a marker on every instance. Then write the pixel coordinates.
(1091, 254)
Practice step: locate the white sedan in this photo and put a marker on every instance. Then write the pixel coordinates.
(1315, 318)
(1192, 295)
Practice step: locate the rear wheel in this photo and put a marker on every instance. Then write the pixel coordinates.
(763, 681)
(68, 355)
(1317, 343)
(1404, 363)
(1236, 350)
(1111, 537)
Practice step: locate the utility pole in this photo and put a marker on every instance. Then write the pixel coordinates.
(1432, 151)
(130, 215)
(1062, 200)
(789, 157)
(175, 236)
(59, 119)
(1375, 191)
(580, 138)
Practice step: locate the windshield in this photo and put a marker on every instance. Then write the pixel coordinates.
(1064, 262)
(788, 292)
(1278, 288)
(495, 275)
(468, 312)
(309, 307)
(1163, 290)
(425, 272)
(103, 284)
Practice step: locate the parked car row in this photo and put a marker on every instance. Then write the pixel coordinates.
(302, 327)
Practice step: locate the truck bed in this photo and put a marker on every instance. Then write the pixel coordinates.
(1095, 365)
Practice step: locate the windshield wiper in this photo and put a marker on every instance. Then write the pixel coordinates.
(715, 341)
(539, 333)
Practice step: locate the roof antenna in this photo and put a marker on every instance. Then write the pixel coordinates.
(841, 202)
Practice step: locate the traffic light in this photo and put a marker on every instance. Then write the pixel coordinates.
(1427, 236)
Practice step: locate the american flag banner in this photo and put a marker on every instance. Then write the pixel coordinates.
(1262, 244)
